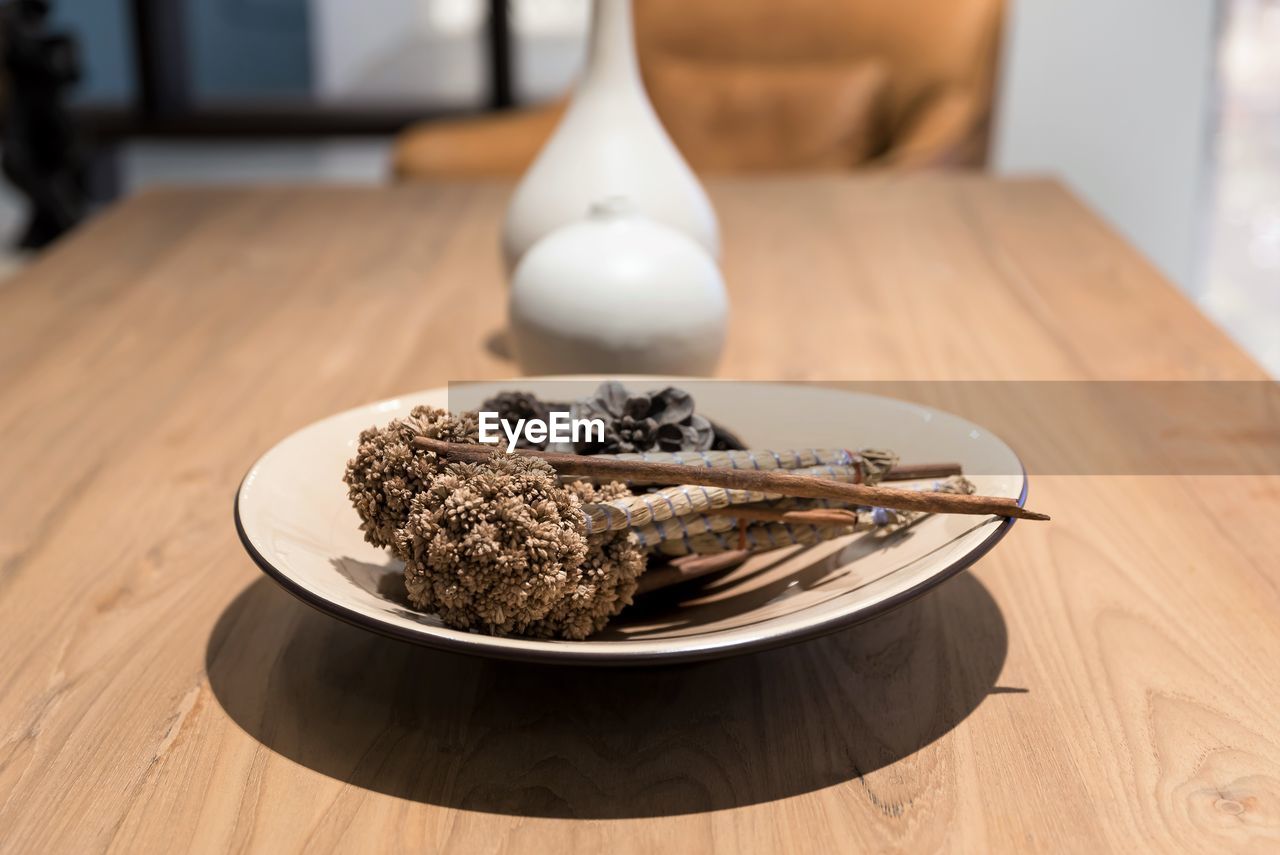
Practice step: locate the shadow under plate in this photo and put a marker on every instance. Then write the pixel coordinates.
(564, 741)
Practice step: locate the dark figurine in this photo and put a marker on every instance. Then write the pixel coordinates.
(42, 155)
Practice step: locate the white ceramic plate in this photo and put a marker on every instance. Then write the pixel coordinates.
(293, 517)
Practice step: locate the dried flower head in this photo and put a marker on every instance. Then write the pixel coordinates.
(496, 546)
(388, 471)
(603, 584)
(491, 546)
(499, 547)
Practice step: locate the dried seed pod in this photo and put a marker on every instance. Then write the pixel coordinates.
(660, 419)
(604, 583)
(499, 547)
(513, 407)
(388, 471)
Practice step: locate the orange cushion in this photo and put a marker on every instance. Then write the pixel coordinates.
(730, 116)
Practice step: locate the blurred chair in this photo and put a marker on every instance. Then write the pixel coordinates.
(760, 85)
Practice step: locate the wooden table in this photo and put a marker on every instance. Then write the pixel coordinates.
(1105, 682)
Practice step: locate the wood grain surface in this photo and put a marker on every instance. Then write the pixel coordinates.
(1104, 682)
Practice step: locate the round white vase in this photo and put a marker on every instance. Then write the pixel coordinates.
(609, 143)
(617, 292)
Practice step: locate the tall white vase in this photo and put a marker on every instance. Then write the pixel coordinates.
(609, 143)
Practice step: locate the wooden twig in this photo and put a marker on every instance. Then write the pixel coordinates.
(762, 481)
(922, 471)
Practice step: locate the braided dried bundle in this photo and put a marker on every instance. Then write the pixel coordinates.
(875, 461)
(672, 503)
(706, 534)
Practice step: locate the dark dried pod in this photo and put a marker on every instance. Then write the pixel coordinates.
(661, 419)
(513, 407)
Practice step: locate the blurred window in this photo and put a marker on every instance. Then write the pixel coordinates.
(247, 50)
(103, 33)
(548, 46)
(421, 52)
(341, 55)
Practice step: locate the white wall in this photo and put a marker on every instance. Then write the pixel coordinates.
(1116, 98)
(403, 52)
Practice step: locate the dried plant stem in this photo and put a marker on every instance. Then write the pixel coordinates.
(772, 482)
(807, 516)
(922, 471)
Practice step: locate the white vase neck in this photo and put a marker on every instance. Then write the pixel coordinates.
(612, 208)
(611, 48)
